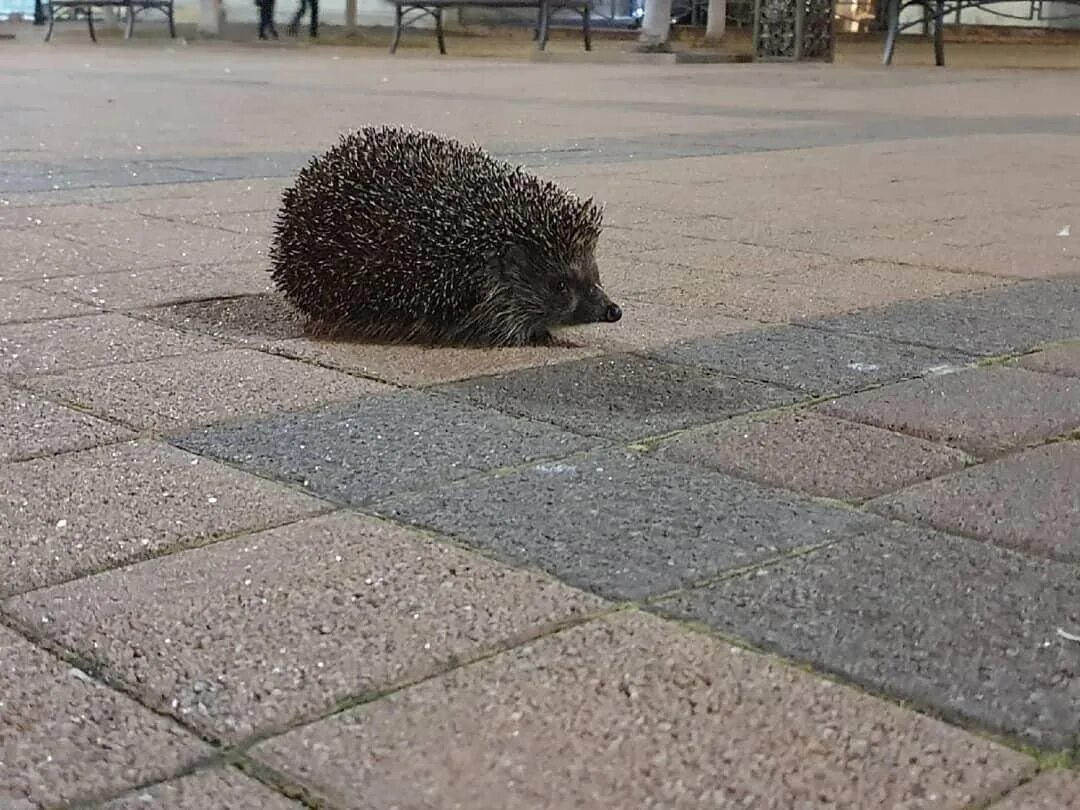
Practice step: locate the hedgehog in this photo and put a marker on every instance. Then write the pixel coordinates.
(402, 235)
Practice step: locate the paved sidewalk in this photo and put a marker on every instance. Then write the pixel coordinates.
(802, 530)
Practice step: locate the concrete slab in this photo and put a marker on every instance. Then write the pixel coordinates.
(178, 393)
(256, 633)
(214, 789)
(22, 304)
(94, 340)
(259, 319)
(381, 445)
(814, 454)
(47, 219)
(811, 360)
(1052, 790)
(619, 396)
(988, 323)
(1028, 501)
(984, 411)
(150, 288)
(33, 255)
(633, 712)
(1063, 359)
(957, 627)
(422, 366)
(624, 525)
(168, 242)
(67, 737)
(35, 426)
(67, 516)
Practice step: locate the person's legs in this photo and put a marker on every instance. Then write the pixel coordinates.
(314, 18)
(294, 24)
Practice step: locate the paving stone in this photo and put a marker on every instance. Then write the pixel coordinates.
(624, 525)
(1028, 501)
(984, 411)
(22, 304)
(178, 393)
(646, 325)
(254, 633)
(245, 319)
(988, 323)
(1063, 359)
(381, 445)
(619, 396)
(1053, 790)
(33, 426)
(65, 736)
(36, 255)
(163, 285)
(811, 360)
(95, 340)
(65, 516)
(632, 712)
(216, 789)
(953, 625)
(169, 242)
(815, 454)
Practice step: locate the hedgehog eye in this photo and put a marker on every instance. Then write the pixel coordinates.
(562, 287)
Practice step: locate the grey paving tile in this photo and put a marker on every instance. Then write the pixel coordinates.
(632, 712)
(69, 343)
(624, 525)
(214, 789)
(1053, 790)
(255, 633)
(1004, 320)
(381, 445)
(811, 360)
(65, 516)
(33, 426)
(1062, 358)
(814, 454)
(953, 625)
(984, 411)
(1029, 501)
(21, 304)
(245, 319)
(36, 254)
(67, 737)
(177, 393)
(619, 396)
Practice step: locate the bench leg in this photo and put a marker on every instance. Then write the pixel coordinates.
(536, 28)
(939, 33)
(892, 26)
(586, 31)
(172, 22)
(439, 31)
(398, 15)
(130, 22)
(52, 21)
(90, 22)
(545, 21)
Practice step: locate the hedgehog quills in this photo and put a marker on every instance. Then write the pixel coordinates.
(396, 235)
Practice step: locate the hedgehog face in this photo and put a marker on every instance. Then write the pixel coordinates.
(579, 298)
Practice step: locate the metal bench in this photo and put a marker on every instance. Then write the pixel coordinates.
(434, 8)
(936, 11)
(133, 7)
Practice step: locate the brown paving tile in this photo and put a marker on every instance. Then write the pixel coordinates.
(646, 326)
(1054, 790)
(70, 343)
(252, 633)
(1028, 501)
(1063, 359)
(38, 254)
(634, 712)
(19, 303)
(33, 426)
(256, 319)
(420, 365)
(64, 736)
(67, 515)
(814, 454)
(983, 411)
(151, 288)
(179, 392)
(215, 789)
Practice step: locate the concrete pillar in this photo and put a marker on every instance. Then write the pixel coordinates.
(717, 22)
(656, 26)
(211, 17)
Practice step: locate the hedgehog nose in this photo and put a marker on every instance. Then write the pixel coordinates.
(612, 313)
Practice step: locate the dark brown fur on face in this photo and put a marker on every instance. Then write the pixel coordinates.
(404, 236)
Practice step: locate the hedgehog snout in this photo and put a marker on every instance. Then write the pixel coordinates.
(612, 313)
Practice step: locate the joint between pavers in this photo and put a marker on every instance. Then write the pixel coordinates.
(94, 802)
(276, 781)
